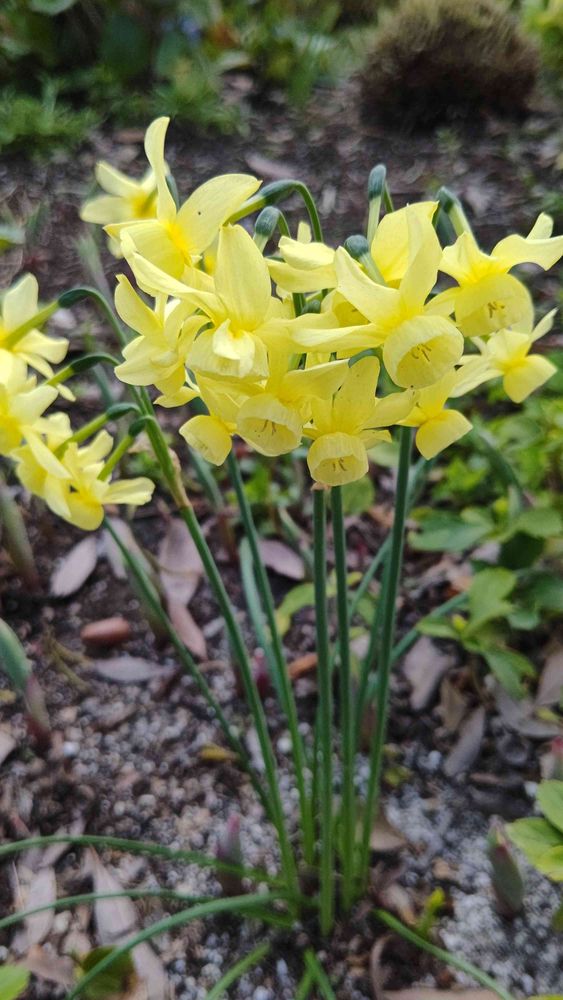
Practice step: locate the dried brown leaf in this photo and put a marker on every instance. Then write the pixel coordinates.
(42, 889)
(128, 669)
(283, 560)
(115, 918)
(54, 968)
(384, 837)
(550, 688)
(466, 750)
(179, 563)
(521, 716)
(188, 630)
(7, 744)
(151, 971)
(74, 569)
(424, 666)
(453, 705)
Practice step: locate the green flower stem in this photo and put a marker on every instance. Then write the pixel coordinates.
(444, 956)
(272, 193)
(388, 616)
(305, 985)
(116, 456)
(251, 692)
(319, 975)
(142, 847)
(82, 364)
(189, 664)
(238, 970)
(284, 682)
(74, 295)
(35, 322)
(417, 479)
(345, 703)
(92, 897)
(241, 904)
(324, 679)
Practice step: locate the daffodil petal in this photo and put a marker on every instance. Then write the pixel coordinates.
(441, 431)
(208, 436)
(242, 280)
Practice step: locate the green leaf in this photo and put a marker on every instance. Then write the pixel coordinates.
(13, 981)
(539, 522)
(551, 864)
(125, 46)
(51, 7)
(358, 497)
(534, 837)
(545, 592)
(550, 798)
(509, 667)
(447, 532)
(111, 981)
(486, 596)
(524, 618)
(439, 628)
(13, 660)
(557, 922)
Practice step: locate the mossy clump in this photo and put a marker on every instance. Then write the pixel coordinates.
(439, 59)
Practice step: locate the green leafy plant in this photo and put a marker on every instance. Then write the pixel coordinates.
(13, 981)
(436, 58)
(544, 18)
(541, 839)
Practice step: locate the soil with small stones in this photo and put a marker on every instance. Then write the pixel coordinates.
(134, 760)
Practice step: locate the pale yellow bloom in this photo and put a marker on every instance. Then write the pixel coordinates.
(19, 307)
(507, 354)
(438, 427)
(175, 240)
(488, 298)
(125, 200)
(22, 404)
(346, 426)
(158, 355)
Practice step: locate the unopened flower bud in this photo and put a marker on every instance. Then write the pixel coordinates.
(507, 880)
(229, 851)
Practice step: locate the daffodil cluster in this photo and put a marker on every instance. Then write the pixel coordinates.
(49, 457)
(291, 347)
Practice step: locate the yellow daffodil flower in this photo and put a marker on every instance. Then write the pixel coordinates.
(125, 200)
(242, 312)
(19, 309)
(507, 354)
(176, 238)
(78, 492)
(22, 404)
(419, 344)
(437, 427)
(211, 433)
(488, 298)
(346, 426)
(158, 355)
(272, 418)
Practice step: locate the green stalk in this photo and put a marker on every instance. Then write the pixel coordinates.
(251, 692)
(82, 364)
(274, 192)
(324, 676)
(240, 903)
(284, 682)
(319, 975)
(38, 320)
(345, 702)
(445, 956)
(92, 897)
(117, 454)
(188, 663)
(140, 847)
(388, 616)
(238, 970)
(416, 482)
(305, 985)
